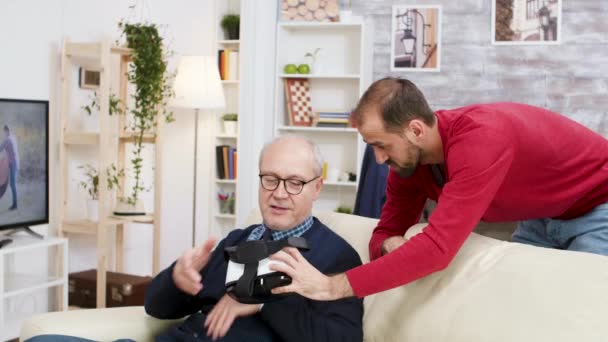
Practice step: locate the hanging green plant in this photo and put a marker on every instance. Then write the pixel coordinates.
(148, 72)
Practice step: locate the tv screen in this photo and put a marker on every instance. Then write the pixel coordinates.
(24, 171)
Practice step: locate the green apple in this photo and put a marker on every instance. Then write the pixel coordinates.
(303, 69)
(290, 69)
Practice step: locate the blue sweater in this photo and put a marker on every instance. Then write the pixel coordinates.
(292, 318)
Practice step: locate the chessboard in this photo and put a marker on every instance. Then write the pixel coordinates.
(297, 98)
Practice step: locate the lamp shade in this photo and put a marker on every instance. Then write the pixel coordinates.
(197, 84)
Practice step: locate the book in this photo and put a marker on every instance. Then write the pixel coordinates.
(233, 65)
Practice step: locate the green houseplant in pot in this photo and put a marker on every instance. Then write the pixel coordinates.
(231, 24)
(230, 121)
(148, 73)
(91, 185)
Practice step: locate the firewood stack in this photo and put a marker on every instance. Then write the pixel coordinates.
(309, 10)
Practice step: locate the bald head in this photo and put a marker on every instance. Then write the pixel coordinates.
(398, 101)
(298, 145)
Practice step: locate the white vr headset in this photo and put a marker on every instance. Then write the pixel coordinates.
(249, 278)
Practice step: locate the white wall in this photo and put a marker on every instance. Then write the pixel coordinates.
(31, 33)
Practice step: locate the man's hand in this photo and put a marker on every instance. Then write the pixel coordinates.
(392, 243)
(186, 273)
(220, 319)
(307, 280)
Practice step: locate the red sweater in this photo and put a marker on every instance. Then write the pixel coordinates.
(505, 162)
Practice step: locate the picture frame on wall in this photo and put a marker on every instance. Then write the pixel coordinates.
(526, 22)
(416, 38)
(88, 79)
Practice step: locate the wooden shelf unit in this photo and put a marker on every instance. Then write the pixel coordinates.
(110, 143)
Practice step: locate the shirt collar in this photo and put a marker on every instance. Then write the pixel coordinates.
(299, 230)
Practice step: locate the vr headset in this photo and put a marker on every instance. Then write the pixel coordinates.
(249, 278)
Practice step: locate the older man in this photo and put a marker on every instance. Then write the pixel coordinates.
(290, 181)
(194, 286)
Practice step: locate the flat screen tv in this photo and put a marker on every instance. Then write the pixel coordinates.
(24, 163)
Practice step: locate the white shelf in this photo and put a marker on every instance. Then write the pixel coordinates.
(229, 41)
(227, 136)
(11, 329)
(225, 216)
(343, 70)
(18, 283)
(319, 129)
(23, 243)
(320, 25)
(230, 81)
(322, 76)
(348, 184)
(225, 181)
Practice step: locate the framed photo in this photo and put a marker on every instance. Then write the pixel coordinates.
(526, 22)
(310, 10)
(416, 38)
(88, 79)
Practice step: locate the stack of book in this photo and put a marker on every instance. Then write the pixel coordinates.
(225, 158)
(332, 119)
(228, 62)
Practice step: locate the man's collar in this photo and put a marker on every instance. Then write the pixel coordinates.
(258, 232)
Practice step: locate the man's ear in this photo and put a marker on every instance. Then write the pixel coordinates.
(416, 130)
(318, 188)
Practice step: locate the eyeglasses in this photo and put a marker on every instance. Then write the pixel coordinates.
(292, 186)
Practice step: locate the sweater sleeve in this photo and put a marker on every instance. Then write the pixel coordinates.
(296, 318)
(477, 164)
(165, 300)
(405, 199)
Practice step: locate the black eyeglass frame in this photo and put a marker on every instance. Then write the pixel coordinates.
(285, 180)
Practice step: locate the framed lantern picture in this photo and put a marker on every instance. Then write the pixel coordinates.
(526, 22)
(416, 38)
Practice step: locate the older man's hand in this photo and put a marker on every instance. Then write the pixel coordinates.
(186, 273)
(220, 319)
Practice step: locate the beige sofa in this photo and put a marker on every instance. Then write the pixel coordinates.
(492, 291)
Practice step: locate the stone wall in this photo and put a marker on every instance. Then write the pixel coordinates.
(570, 78)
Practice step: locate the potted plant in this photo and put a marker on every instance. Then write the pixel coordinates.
(91, 186)
(344, 210)
(230, 123)
(148, 73)
(231, 24)
(315, 64)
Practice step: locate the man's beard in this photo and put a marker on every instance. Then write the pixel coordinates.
(408, 170)
(404, 172)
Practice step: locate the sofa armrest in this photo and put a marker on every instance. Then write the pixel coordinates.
(97, 324)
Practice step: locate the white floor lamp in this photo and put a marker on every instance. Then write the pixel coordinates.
(197, 86)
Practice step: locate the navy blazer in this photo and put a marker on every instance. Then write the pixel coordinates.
(292, 318)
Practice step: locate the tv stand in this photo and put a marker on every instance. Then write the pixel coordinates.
(27, 230)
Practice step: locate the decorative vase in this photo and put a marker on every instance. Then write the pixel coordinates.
(127, 209)
(93, 210)
(230, 127)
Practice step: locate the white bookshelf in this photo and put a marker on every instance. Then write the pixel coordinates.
(339, 77)
(221, 223)
(26, 291)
